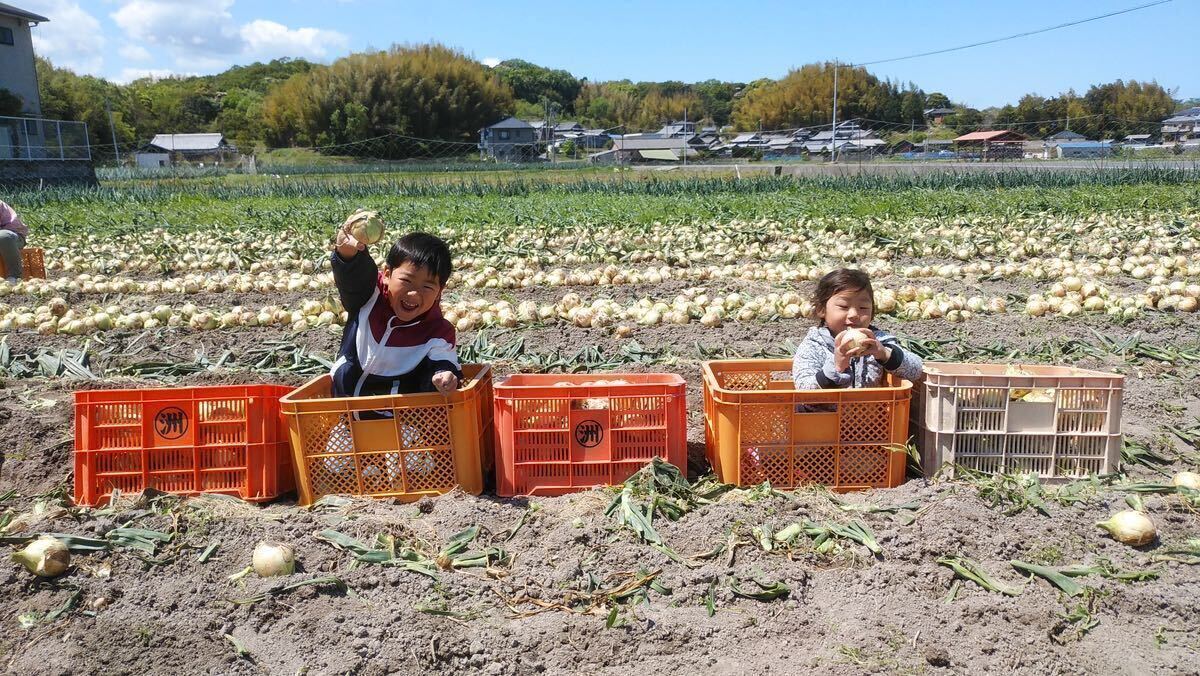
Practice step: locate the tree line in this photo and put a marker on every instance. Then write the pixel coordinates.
(436, 92)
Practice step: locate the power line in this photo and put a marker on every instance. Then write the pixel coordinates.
(1015, 35)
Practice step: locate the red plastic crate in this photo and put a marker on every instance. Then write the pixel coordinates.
(186, 440)
(556, 439)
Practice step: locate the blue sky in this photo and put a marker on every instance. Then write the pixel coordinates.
(123, 39)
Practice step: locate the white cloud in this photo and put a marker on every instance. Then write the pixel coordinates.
(270, 39)
(130, 74)
(491, 61)
(134, 52)
(71, 39)
(204, 35)
(183, 26)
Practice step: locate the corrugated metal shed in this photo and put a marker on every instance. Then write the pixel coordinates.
(997, 135)
(746, 138)
(652, 143)
(666, 155)
(182, 142)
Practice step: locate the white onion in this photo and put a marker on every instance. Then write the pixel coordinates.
(366, 226)
(1187, 480)
(46, 556)
(272, 558)
(856, 338)
(1130, 527)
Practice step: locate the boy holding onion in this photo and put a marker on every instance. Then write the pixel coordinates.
(396, 340)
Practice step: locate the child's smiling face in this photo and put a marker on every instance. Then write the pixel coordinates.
(412, 290)
(850, 309)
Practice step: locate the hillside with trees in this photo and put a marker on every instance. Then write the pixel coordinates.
(437, 92)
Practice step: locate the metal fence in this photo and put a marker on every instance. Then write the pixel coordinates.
(28, 138)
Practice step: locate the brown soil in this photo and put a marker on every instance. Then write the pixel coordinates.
(847, 613)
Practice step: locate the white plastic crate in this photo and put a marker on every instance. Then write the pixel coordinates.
(1058, 422)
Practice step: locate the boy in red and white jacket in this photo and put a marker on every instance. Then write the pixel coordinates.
(396, 340)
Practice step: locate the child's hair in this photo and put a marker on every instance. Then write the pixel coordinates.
(833, 283)
(423, 250)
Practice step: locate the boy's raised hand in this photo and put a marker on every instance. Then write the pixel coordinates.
(445, 382)
(347, 245)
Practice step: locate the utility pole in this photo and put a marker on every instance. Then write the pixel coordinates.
(112, 129)
(833, 130)
(685, 137)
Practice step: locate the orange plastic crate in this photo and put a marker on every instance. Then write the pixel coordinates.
(427, 444)
(758, 427)
(184, 440)
(33, 264)
(556, 439)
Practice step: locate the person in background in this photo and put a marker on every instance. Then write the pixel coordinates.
(12, 239)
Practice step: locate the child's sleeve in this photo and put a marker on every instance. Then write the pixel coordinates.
(443, 356)
(356, 279)
(813, 368)
(903, 363)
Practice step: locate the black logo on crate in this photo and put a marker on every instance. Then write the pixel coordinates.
(589, 433)
(171, 423)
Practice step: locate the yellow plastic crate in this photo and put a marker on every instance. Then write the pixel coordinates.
(424, 444)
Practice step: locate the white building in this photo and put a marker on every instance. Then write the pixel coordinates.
(165, 150)
(17, 73)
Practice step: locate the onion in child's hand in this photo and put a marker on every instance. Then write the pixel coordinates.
(366, 226)
(857, 340)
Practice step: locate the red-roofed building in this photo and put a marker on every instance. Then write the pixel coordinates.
(991, 145)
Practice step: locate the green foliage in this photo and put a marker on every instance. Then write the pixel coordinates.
(571, 198)
(427, 91)
(534, 84)
(648, 105)
(1110, 110)
(805, 97)
(230, 102)
(434, 92)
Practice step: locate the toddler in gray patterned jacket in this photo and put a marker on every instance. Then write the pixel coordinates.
(846, 350)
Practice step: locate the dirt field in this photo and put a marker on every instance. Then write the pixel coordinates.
(847, 611)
